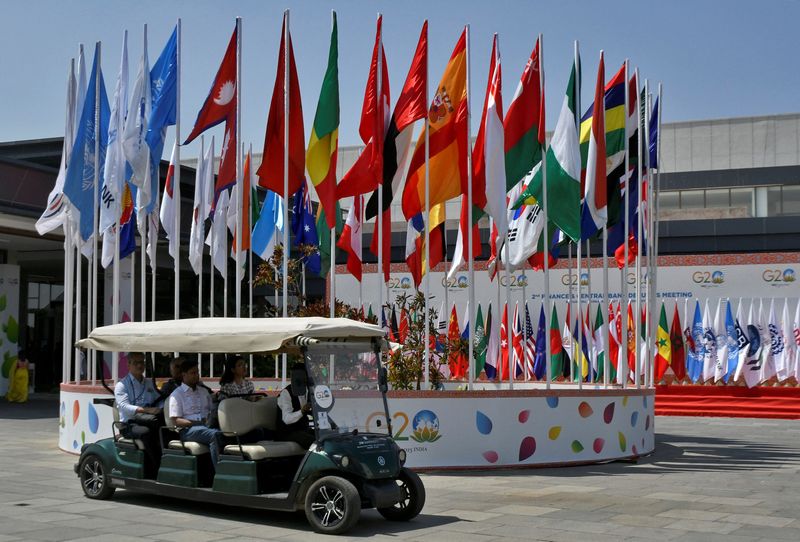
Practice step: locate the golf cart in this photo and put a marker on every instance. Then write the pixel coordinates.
(352, 464)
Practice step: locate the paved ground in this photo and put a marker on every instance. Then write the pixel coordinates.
(710, 479)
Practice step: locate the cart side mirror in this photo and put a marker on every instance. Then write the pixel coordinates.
(383, 379)
(299, 380)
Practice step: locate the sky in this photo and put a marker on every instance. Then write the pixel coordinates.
(715, 58)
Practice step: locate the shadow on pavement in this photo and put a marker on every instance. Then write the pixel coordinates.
(674, 453)
(370, 524)
(38, 406)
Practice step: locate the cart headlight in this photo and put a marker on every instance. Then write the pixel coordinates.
(345, 461)
(402, 456)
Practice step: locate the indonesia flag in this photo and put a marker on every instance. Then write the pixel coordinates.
(595, 194)
(350, 241)
(168, 207)
(488, 157)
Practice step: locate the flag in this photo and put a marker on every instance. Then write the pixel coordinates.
(709, 340)
(568, 342)
(480, 342)
(55, 209)
(219, 106)
(563, 164)
(460, 254)
(323, 143)
(114, 172)
(614, 330)
(694, 359)
(453, 334)
(786, 368)
(414, 251)
(350, 241)
(653, 143)
(393, 330)
(493, 346)
(204, 179)
(324, 235)
(777, 347)
(678, 353)
(402, 330)
(663, 346)
(529, 346)
(134, 144)
(796, 337)
(217, 239)
(524, 123)
(462, 368)
(249, 211)
(540, 363)
(504, 344)
(595, 206)
(767, 360)
(80, 178)
(631, 342)
(492, 266)
(268, 229)
(447, 139)
(559, 360)
(164, 96)
(271, 172)
(304, 228)
(410, 108)
(517, 346)
(750, 363)
(127, 220)
(525, 226)
(599, 344)
(168, 206)
(488, 154)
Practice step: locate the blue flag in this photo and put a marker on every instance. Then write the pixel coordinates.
(540, 362)
(733, 343)
(79, 182)
(268, 226)
(164, 96)
(694, 358)
(653, 143)
(304, 227)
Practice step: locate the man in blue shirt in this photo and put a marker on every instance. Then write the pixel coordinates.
(136, 395)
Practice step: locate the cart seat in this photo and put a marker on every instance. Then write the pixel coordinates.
(194, 448)
(265, 449)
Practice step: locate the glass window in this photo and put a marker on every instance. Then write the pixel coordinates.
(57, 291)
(773, 200)
(717, 197)
(742, 198)
(692, 199)
(668, 201)
(791, 200)
(44, 295)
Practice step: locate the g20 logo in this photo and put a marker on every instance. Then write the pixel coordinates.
(460, 281)
(399, 283)
(776, 276)
(514, 281)
(424, 425)
(708, 278)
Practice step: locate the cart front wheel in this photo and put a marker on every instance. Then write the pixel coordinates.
(94, 479)
(412, 501)
(332, 505)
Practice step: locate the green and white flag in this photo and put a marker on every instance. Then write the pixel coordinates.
(481, 342)
(563, 168)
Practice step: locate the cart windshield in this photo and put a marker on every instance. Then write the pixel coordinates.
(344, 392)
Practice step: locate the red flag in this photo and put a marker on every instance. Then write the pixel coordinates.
(493, 252)
(220, 105)
(270, 172)
(367, 173)
(386, 222)
(403, 328)
(453, 334)
(414, 253)
(350, 241)
(517, 344)
(504, 346)
(614, 330)
(678, 350)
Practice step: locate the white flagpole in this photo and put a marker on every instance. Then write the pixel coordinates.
(176, 182)
(546, 244)
(250, 251)
(379, 218)
(470, 255)
(332, 271)
(655, 203)
(649, 350)
(69, 291)
(604, 329)
(201, 186)
(569, 307)
(577, 350)
(115, 271)
(622, 372)
(525, 372)
(286, 248)
(427, 240)
(78, 307)
(212, 278)
(239, 178)
(95, 209)
(590, 335)
(638, 265)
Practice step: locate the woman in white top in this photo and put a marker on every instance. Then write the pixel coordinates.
(234, 382)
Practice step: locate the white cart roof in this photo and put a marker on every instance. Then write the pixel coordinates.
(227, 335)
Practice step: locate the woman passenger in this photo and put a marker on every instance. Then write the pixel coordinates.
(233, 381)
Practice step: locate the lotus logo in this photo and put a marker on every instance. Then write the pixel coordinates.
(584, 279)
(425, 427)
(405, 283)
(462, 281)
(788, 275)
(522, 281)
(717, 277)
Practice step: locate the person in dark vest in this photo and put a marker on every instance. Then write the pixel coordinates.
(176, 378)
(293, 417)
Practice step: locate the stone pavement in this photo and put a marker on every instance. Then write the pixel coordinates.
(710, 479)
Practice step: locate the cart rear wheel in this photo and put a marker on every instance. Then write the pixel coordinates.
(413, 498)
(332, 505)
(94, 478)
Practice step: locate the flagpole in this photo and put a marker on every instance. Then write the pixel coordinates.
(638, 265)
(622, 371)
(605, 328)
(649, 293)
(250, 252)
(332, 271)
(212, 278)
(202, 221)
(589, 327)
(69, 291)
(95, 209)
(239, 179)
(427, 239)
(569, 307)
(470, 255)
(525, 329)
(379, 218)
(286, 248)
(176, 181)
(547, 240)
(657, 188)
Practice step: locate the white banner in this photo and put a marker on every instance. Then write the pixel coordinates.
(125, 308)
(9, 325)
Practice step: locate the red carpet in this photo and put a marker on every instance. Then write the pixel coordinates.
(728, 401)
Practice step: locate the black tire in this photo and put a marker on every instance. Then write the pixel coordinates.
(413, 498)
(94, 478)
(332, 505)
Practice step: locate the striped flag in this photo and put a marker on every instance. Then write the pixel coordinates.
(595, 208)
(530, 345)
(517, 346)
(350, 241)
(663, 346)
(493, 346)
